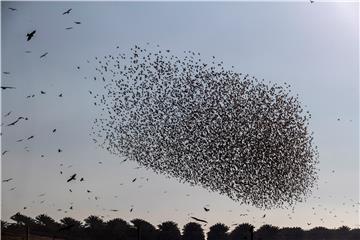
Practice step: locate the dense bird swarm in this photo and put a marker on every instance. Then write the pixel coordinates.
(205, 125)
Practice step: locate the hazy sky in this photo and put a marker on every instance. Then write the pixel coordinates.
(314, 47)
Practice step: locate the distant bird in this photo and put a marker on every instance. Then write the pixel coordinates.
(60, 95)
(3, 87)
(311, 1)
(7, 180)
(7, 114)
(338, 119)
(77, 22)
(243, 214)
(11, 189)
(68, 28)
(206, 209)
(71, 207)
(59, 150)
(134, 180)
(13, 123)
(199, 220)
(12, 9)
(54, 130)
(114, 210)
(88, 191)
(60, 172)
(264, 216)
(73, 177)
(32, 136)
(27, 51)
(67, 11)
(81, 179)
(308, 224)
(30, 35)
(6, 73)
(70, 190)
(131, 209)
(44, 55)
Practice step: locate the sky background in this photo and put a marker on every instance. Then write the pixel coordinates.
(314, 47)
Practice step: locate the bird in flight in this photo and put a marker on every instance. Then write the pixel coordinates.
(77, 22)
(44, 55)
(4, 87)
(4, 152)
(30, 35)
(7, 180)
(67, 11)
(206, 209)
(73, 177)
(60, 95)
(68, 28)
(6, 73)
(7, 114)
(134, 180)
(199, 220)
(42, 92)
(12, 9)
(13, 123)
(30, 137)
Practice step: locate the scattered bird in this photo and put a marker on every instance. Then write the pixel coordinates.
(60, 95)
(32, 136)
(264, 216)
(17, 120)
(44, 55)
(30, 35)
(3, 87)
(12, 9)
(73, 177)
(6, 73)
(59, 150)
(54, 130)
(7, 180)
(77, 22)
(11, 189)
(206, 209)
(67, 11)
(199, 220)
(7, 114)
(68, 28)
(134, 180)
(81, 179)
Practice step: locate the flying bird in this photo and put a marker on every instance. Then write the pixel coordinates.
(206, 209)
(73, 177)
(68, 28)
(32, 136)
(134, 180)
(30, 35)
(54, 130)
(13, 123)
(77, 22)
(199, 220)
(60, 95)
(7, 180)
(3, 87)
(7, 73)
(7, 114)
(12, 9)
(67, 11)
(44, 55)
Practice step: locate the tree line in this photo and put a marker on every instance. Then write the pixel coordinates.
(95, 228)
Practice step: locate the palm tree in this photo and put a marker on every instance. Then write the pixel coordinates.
(193, 231)
(266, 232)
(218, 232)
(169, 231)
(242, 232)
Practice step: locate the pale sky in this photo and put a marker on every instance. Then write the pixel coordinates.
(314, 47)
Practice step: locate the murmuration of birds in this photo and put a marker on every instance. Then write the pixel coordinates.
(205, 124)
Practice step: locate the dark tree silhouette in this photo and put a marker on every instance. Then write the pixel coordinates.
(117, 229)
(47, 223)
(145, 229)
(267, 232)
(169, 231)
(242, 232)
(218, 231)
(291, 233)
(193, 231)
(23, 220)
(94, 227)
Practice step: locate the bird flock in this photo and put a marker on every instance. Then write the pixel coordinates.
(201, 123)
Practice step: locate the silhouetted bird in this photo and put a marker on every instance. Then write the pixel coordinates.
(59, 150)
(134, 180)
(7, 114)
(77, 22)
(7, 180)
(44, 55)
(30, 35)
(12, 9)
(17, 120)
(67, 11)
(6, 73)
(68, 28)
(30, 137)
(3, 87)
(206, 209)
(73, 177)
(199, 220)
(81, 179)
(60, 95)
(54, 130)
